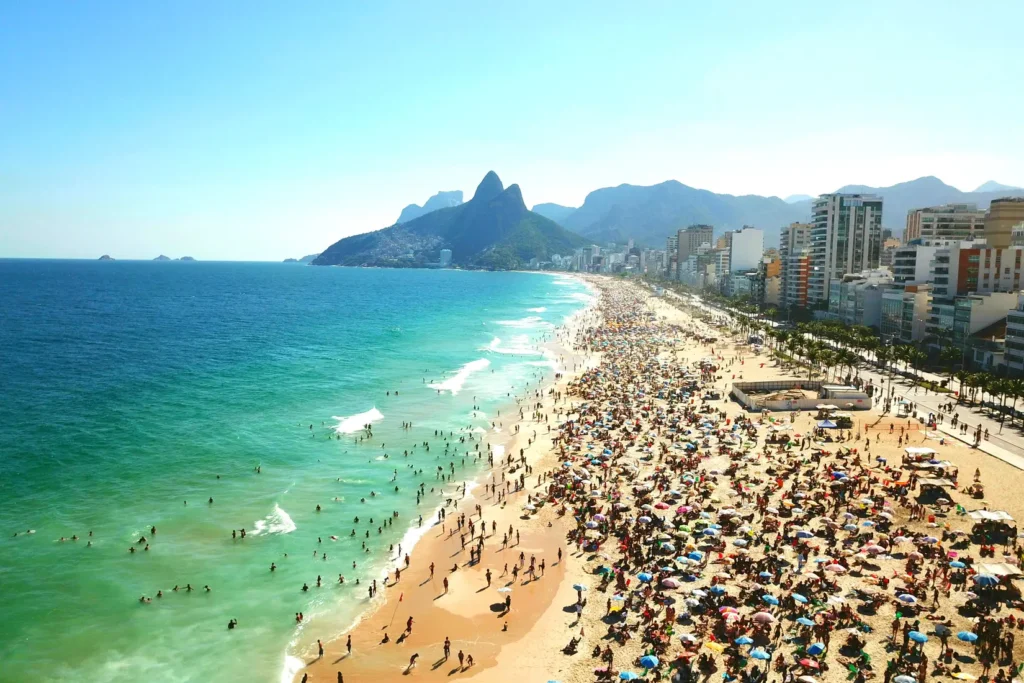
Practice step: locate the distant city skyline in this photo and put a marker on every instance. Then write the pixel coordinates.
(271, 132)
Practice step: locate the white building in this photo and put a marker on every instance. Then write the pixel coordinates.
(856, 299)
(746, 247)
(846, 238)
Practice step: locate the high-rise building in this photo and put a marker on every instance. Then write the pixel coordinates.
(689, 239)
(794, 239)
(889, 247)
(1003, 216)
(949, 222)
(446, 258)
(846, 238)
(746, 247)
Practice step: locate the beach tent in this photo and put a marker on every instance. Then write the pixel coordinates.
(990, 516)
(827, 424)
(999, 569)
(938, 482)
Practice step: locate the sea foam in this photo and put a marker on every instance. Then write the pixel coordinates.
(277, 522)
(539, 309)
(455, 382)
(524, 323)
(356, 423)
(518, 345)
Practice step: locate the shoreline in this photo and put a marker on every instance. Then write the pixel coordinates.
(429, 547)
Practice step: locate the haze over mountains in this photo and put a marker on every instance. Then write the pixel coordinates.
(441, 200)
(492, 230)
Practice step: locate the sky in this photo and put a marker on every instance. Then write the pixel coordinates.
(264, 130)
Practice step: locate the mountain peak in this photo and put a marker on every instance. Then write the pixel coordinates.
(514, 195)
(993, 186)
(489, 187)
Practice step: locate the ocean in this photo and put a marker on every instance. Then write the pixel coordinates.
(134, 392)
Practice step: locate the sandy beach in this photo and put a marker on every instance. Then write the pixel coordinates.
(675, 536)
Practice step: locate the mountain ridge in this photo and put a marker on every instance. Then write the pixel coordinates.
(441, 200)
(493, 230)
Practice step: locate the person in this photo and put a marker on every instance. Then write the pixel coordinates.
(348, 644)
(462, 658)
(320, 647)
(232, 624)
(412, 660)
(447, 648)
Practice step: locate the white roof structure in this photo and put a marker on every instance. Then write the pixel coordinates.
(990, 516)
(919, 450)
(999, 569)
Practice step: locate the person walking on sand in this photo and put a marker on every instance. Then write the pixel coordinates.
(320, 647)
(447, 648)
(348, 645)
(462, 658)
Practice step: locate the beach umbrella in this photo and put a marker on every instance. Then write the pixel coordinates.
(741, 542)
(904, 679)
(916, 556)
(644, 520)
(600, 518)
(530, 506)
(710, 532)
(874, 549)
(907, 598)
(809, 663)
(929, 540)
(807, 679)
(986, 580)
(799, 598)
(688, 638)
(744, 640)
(628, 676)
(648, 661)
(726, 609)
(967, 636)
(770, 599)
(835, 568)
(917, 637)
(765, 575)
(592, 525)
(695, 555)
(504, 589)
(816, 649)
(957, 564)
(803, 533)
(764, 618)
(850, 527)
(644, 577)
(579, 587)
(804, 621)
(758, 653)
(699, 593)
(670, 583)
(717, 590)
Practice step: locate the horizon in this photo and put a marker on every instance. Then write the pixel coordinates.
(271, 134)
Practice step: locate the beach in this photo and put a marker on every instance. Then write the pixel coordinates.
(698, 539)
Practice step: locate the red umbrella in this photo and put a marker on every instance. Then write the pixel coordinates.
(809, 663)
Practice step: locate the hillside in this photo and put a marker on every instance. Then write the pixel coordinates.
(441, 200)
(555, 212)
(649, 214)
(492, 230)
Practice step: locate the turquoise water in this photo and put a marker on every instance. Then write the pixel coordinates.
(129, 388)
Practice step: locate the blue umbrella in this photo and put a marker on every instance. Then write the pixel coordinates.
(579, 587)
(799, 598)
(804, 621)
(644, 520)
(986, 580)
(917, 637)
(907, 598)
(850, 527)
(717, 590)
(957, 564)
(770, 599)
(628, 676)
(694, 555)
(804, 534)
(765, 575)
(744, 640)
(710, 532)
(760, 654)
(645, 577)
(648, 661)
(816, 649)
(967, 636)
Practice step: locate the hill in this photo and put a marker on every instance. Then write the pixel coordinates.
(649, 214)
(794, 198)
(441, 200)
(492, 230)
(161, 257)
(555, 212)
(993, 186)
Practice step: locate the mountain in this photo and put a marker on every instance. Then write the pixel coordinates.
(923, 192)
(794, 198)
(492, 230)
(993, 186)
(161, 257)
(441, 200)
(555, 212)
(304, 259)
(186, 258)
(106, 257)
(649, 214)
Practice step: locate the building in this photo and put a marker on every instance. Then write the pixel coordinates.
(856, 299)
(913, 263)
(846, 238)
(889, 248)
(746, 247)
(969, 268)
(1002, 217)
(794, 240)
(689, 239)
(905, 309)
(796, 274)
(1014, 357)
(948, 223)
(446, 258)
(982, 316)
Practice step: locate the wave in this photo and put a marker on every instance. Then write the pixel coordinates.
(356, 423)
(455, 382)
(531, 321)
(539, 309)
(518, 345)
(277, 522)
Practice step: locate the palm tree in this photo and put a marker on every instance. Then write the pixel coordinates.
(964, 378)
(948, 356)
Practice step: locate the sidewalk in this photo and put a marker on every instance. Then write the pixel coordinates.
(985, 447)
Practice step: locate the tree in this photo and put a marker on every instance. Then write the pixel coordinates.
(948, 356)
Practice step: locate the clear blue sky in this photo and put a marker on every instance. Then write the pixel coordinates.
(266, 129)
